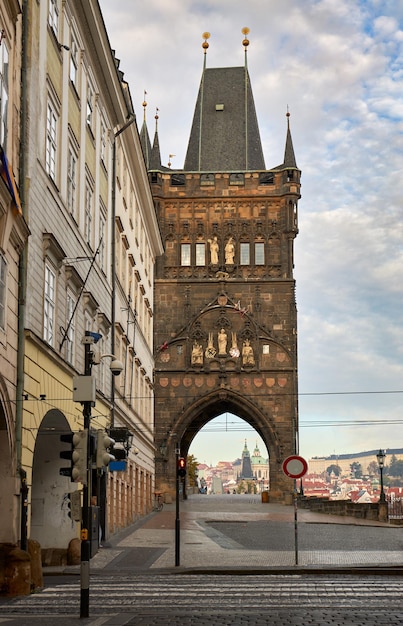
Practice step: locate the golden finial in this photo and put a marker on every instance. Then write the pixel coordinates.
(145, 104)
(245, 31)
(205, 43)
(169, 159)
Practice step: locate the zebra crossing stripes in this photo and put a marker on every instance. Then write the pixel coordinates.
(216, 593)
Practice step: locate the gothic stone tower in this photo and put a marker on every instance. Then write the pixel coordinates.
(225, 314)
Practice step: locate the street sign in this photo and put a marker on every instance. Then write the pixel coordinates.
(295, 466)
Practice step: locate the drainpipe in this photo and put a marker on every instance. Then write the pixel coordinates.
(22, 282)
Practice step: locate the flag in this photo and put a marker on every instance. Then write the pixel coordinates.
(7, 175)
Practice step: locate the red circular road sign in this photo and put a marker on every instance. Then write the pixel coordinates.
(295, 466)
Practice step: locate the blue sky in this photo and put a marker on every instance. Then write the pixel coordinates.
(338, 66)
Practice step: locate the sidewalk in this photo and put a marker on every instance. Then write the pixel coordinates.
(150, 543)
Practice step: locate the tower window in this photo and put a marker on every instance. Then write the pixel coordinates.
(244, 251)
(237, 179)
(200, 254)
(259, 253)
(266, 178)
(290, 175)
(185, 254)
(177, 180)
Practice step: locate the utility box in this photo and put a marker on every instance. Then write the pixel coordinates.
(84, 389)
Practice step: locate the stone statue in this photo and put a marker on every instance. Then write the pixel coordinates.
(222, 342)
(229, 252)
(247, 353)
(197, 354)
(213, 250)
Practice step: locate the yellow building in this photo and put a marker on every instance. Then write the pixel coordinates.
(90, 263)
(13, 235)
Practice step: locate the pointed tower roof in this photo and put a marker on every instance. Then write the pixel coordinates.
(155, 159)
(289, 156)
(225, 133)
(144, 136)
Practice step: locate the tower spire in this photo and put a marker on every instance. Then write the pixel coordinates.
(289, 156)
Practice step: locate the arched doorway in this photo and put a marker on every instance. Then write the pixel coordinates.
(51, 524)
(207, 407)
(231, 457)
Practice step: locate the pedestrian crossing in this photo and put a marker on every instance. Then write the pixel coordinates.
(110, 595)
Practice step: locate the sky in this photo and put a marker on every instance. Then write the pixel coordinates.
(338, 67)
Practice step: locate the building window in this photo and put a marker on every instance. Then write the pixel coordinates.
(244, 250)
(49, 304)
(259, 253)
(102, 236)
(71, 182)
(3, 292)
(200, 254)
(103, 142)
(74, 62)
(70, 324)
(4, 65)
(89, 202)
(51, 144)
(185, 254)
(53, 16)
(90, 105)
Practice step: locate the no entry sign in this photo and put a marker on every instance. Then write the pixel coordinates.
(295, 466)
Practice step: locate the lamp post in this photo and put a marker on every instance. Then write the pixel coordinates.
(381, 461)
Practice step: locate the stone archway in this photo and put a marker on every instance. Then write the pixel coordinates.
(51, 524)
(187, 424)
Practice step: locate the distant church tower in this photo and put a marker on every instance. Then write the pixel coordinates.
(225, 316)
(246, 467)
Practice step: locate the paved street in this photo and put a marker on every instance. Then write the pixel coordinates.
(216, 600)
(237, 567)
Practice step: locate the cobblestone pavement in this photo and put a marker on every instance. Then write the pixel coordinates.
(216, 600)
(238, 566)
(240, 531)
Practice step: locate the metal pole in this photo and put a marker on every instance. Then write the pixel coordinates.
(85, 523)
(24, 510)
(177, 518)
(296, 521)
(382, 496)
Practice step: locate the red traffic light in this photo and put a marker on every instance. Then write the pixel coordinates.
(182, 467)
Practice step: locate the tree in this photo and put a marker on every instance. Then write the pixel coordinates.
(356, 470)
(335, 469)
(395, 467)
(192, 464)
(373, 469)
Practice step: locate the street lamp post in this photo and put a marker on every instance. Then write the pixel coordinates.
(381, 461)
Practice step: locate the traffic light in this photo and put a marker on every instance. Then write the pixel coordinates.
(77, 456)
(182, 467)
(104, 443)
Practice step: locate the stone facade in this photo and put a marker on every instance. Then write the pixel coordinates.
(225, 320)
